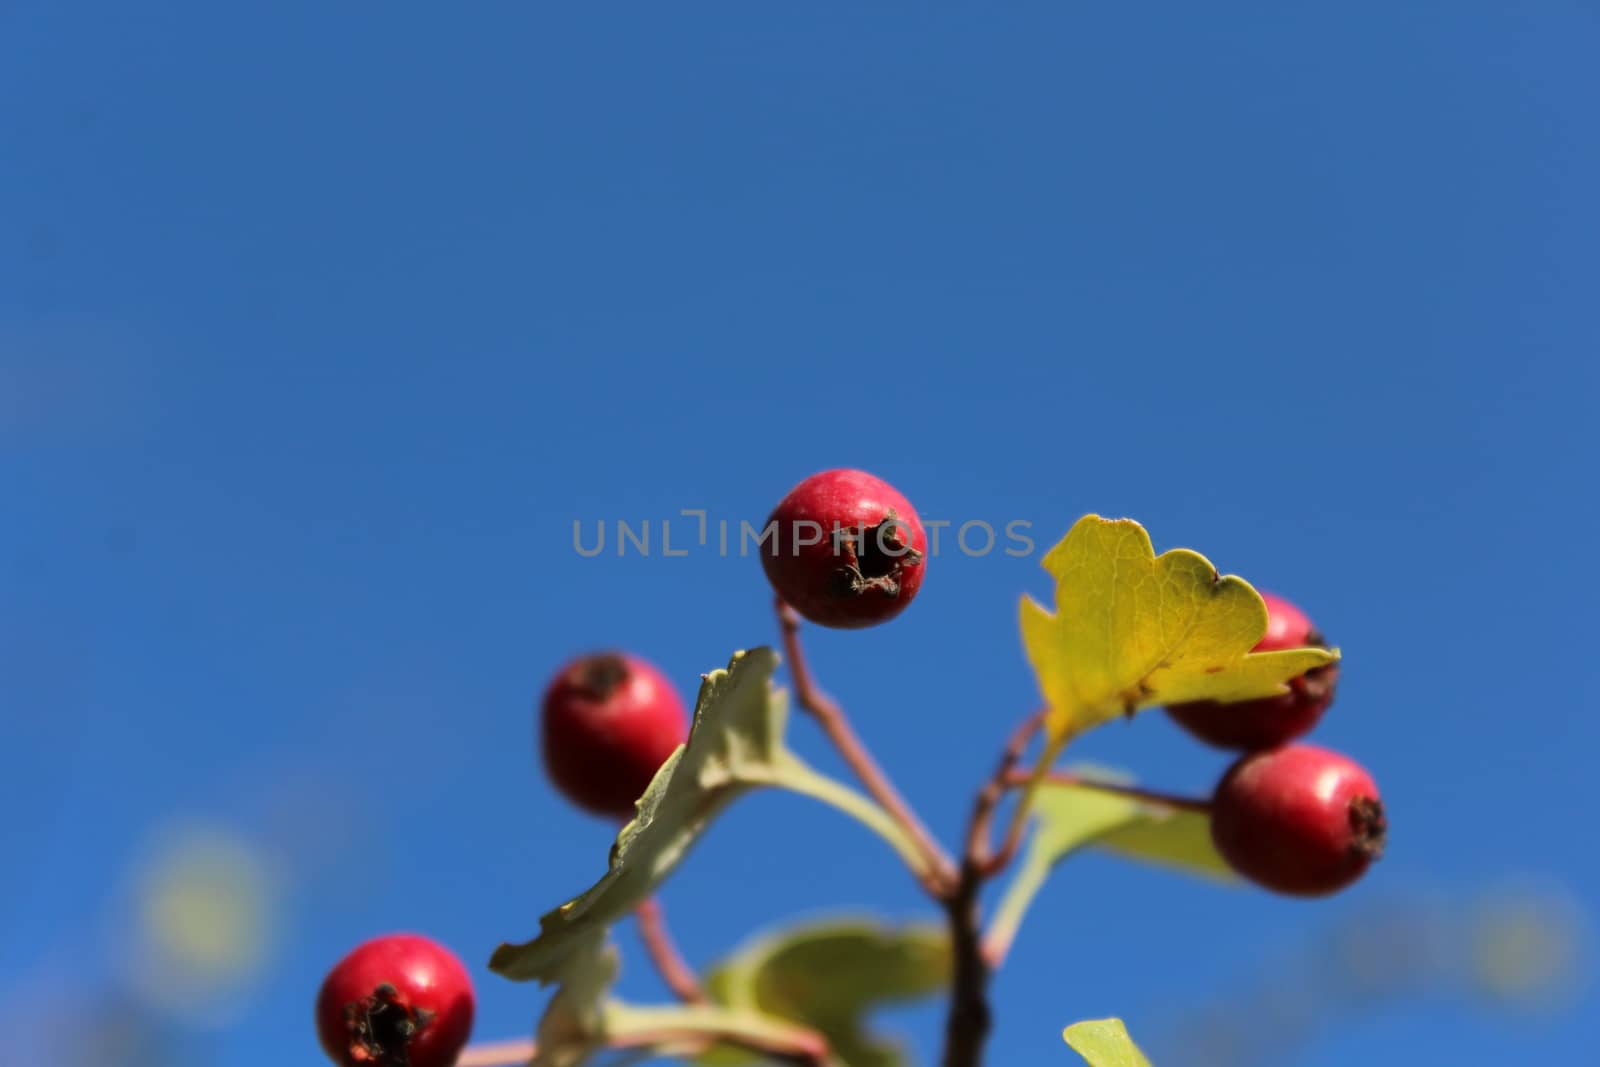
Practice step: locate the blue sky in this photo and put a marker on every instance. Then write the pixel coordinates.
(320, 325)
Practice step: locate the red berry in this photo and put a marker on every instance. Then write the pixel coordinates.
(1287, 626)
(396, 1001)
(609, 722)
(1269, 721)
(1300, 820)
(846, 550)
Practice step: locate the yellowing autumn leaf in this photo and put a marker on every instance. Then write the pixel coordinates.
(1132, 629)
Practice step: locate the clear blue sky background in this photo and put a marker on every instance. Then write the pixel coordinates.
(319, 325)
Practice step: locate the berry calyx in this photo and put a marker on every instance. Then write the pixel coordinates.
(608, 722)
(846, 549)
(1269, 721)
(396, 1001)
(1299, 820)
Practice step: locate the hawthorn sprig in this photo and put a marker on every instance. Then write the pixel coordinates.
(849, 551)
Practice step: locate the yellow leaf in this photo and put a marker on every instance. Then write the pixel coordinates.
(1104, 1043)
(1132, 629)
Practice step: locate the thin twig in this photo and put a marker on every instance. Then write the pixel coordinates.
(1018, 779)
(1030, 780)
(978, 850)
(804, 1048)
(498, 1054)
(831, 717)
(970, 1018)
(663, 952)
(799, 1046)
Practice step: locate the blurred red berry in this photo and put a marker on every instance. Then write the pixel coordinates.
(1287, 626)
(1268, 721)
(608, 722)
(396, 1001)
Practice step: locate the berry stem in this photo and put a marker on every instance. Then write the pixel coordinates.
(663, 951)
(979, 850)
(1020, 779)
(938, 873)
(811, 1051)
(498, 1054)
(693, 1030)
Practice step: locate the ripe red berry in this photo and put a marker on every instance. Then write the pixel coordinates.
(608, 723)
(1300, 820)
(1287, 626)
(846, 550)
(1269, 721)
(396, 1001)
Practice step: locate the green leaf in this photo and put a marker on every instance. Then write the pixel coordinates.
(682, 1031)
(735, 745)
(1104, 1043)
(575, 1023)
(1068, 817)
(581, 1020)
(1132, 629)
(830, 975)
(1169, 837)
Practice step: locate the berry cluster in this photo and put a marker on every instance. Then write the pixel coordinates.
(1291, 817)
(848, 552)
